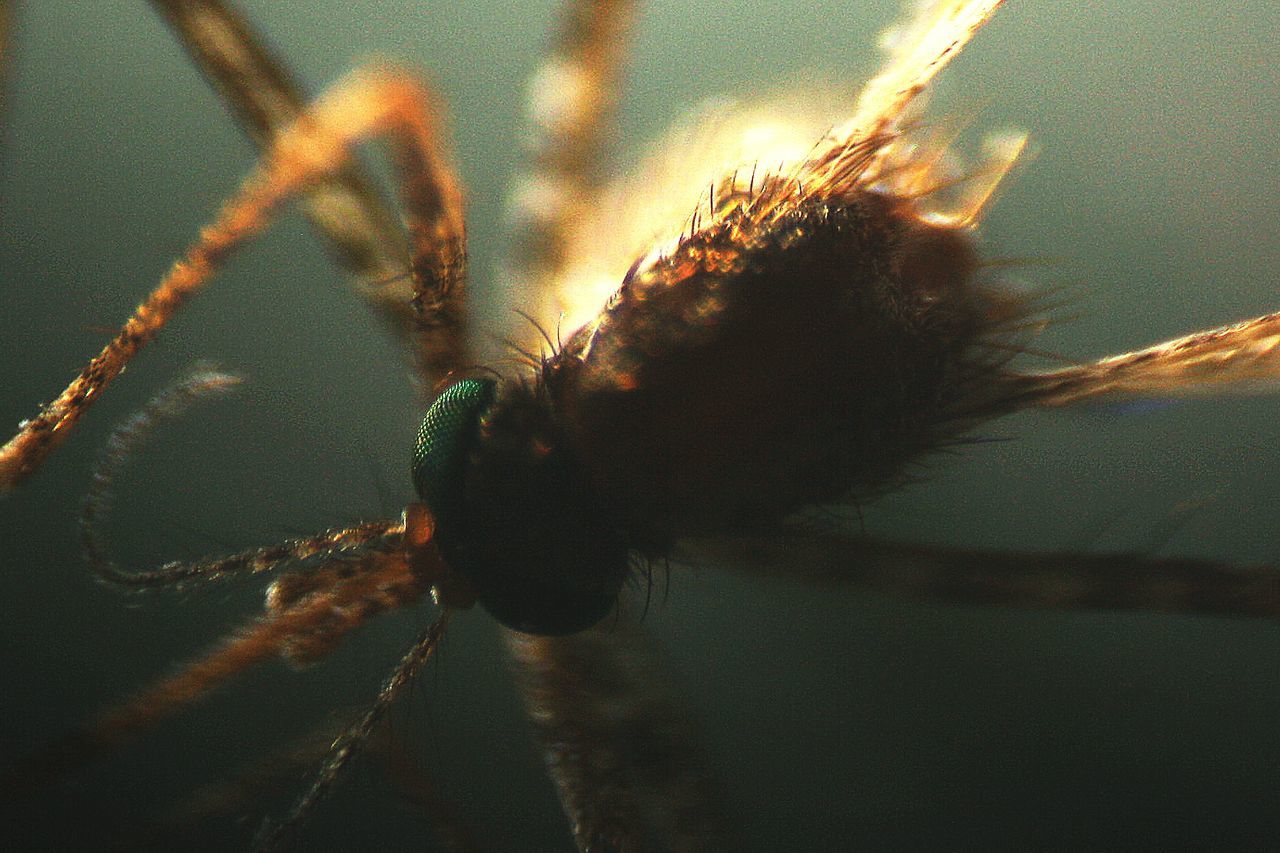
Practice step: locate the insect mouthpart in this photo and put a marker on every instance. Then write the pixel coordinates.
(514, 515)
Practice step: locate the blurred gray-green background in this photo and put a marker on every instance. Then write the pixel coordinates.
(835, 720)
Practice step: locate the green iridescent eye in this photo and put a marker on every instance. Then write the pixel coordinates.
(447, 433)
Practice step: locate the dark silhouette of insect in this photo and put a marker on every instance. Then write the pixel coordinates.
(657, 541)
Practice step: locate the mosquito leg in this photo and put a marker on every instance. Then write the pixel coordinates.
(81, 747)
(572, 98)
(273, 835)
(266, 100)
(345, 208)
(313, 620)
(245, 791)
(177, 826)
(589, 773)
(1049, 580)
(1202, 362)
(366, 104)
(618, 742)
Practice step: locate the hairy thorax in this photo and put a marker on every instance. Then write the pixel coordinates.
(770, 362)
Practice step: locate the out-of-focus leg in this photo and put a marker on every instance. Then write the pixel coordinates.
(1063, 580)
(367, 104)
(348, 212)
(618, 741)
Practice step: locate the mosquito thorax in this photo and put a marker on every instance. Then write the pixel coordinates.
(773, 362)
(513, 513)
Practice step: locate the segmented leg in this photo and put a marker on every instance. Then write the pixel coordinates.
(1245, 352)
(366, 104)
(618, 742)
(345, 208)
(314, 614)
(273, 835)
(572, 98)
(1049, 580)
(126, 439)
(266, 100)
(177, 825)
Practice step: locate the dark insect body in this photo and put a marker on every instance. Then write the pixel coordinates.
(870, 345)
(816, 331)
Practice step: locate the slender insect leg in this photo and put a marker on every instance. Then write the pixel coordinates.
(618, 742)
(586, 767)
(572, 100)
(366, 104)
(265, 99)
(348, 212)
(80, 748)
(349, 742)
(178, 824)
(262, 638)
(1049, 580)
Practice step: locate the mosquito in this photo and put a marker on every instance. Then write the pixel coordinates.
(539, 491)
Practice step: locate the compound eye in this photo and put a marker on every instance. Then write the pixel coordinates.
(448, 432)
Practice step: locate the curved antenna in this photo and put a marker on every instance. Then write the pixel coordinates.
(365, 236)
(201, 383)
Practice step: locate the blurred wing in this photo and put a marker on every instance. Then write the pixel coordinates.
(720, 151)
(618, 742)
(1049, 580)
